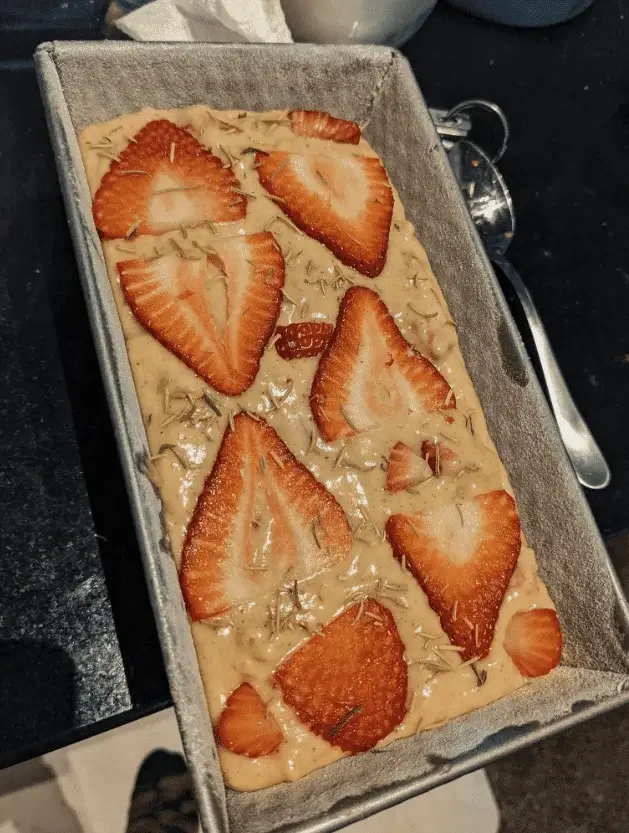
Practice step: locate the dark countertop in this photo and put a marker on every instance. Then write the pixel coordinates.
(78, 646)
(77, 641)
(564, 90)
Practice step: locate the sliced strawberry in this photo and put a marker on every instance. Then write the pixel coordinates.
(533, 641)
(216, 313)
(348, 683)
(318, 124)
(163, 180)
(303, 339)
(405, 469)
(441, 459)
(346, 203)
(260, 513)
(245, 727)
(463, 556)
(369, 375)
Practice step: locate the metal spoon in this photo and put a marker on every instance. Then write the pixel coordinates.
(491, 207)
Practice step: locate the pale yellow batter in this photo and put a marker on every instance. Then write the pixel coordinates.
(184, 435)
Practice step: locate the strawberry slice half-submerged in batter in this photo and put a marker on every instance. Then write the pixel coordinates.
(369, 375)
(217, 312)
(317, 124)
(163, 180)
(463, 556)
(344, 202)
(245, 727)
(440, 457)
(405, 469)
(348, 683)
(533, 641)
(409, 467)
(260, 513)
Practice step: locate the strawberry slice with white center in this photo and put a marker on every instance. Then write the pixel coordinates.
(348, 683)
(245, 727)
(346, 202)
(317, 124)
(463, 556)
(405, 469)
(533, 641)
(260, 513)
(217, 312)
(163, 180)
(369, 375)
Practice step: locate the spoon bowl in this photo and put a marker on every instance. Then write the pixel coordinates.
(486, 194)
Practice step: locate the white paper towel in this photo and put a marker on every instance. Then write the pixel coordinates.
(218, 21)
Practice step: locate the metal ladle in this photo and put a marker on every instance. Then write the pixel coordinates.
(491, 207)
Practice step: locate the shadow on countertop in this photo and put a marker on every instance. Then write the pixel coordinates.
(36, 691)
(575, 782)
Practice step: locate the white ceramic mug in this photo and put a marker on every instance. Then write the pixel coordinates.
(356, 21)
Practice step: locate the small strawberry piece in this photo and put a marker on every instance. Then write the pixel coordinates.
(441, 459)
(318, 124)
(245, 727)
(260, 513)
(405, 469)
(303, 339)
(348, 683)
(215, 313)
(463, 556)
(533, 641)
(369, 375)
(165, 179)
(346, 203)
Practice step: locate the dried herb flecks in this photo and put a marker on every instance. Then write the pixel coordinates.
(344, 721)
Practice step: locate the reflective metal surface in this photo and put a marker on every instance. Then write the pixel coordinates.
(492, 211)
(490, 106)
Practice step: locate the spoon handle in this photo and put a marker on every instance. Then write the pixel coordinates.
(585, 455)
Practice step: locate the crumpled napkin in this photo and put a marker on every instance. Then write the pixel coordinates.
(218, 21)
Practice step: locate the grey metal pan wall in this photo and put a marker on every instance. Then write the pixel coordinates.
(83, 83)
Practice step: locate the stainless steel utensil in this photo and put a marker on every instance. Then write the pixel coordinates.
(492, 211)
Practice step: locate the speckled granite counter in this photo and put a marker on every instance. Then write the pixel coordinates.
(78, 648)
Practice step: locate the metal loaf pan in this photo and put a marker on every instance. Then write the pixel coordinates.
(83, 83)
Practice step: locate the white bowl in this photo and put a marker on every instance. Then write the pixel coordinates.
(356, 21)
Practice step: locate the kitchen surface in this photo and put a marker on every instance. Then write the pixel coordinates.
(78, 646)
